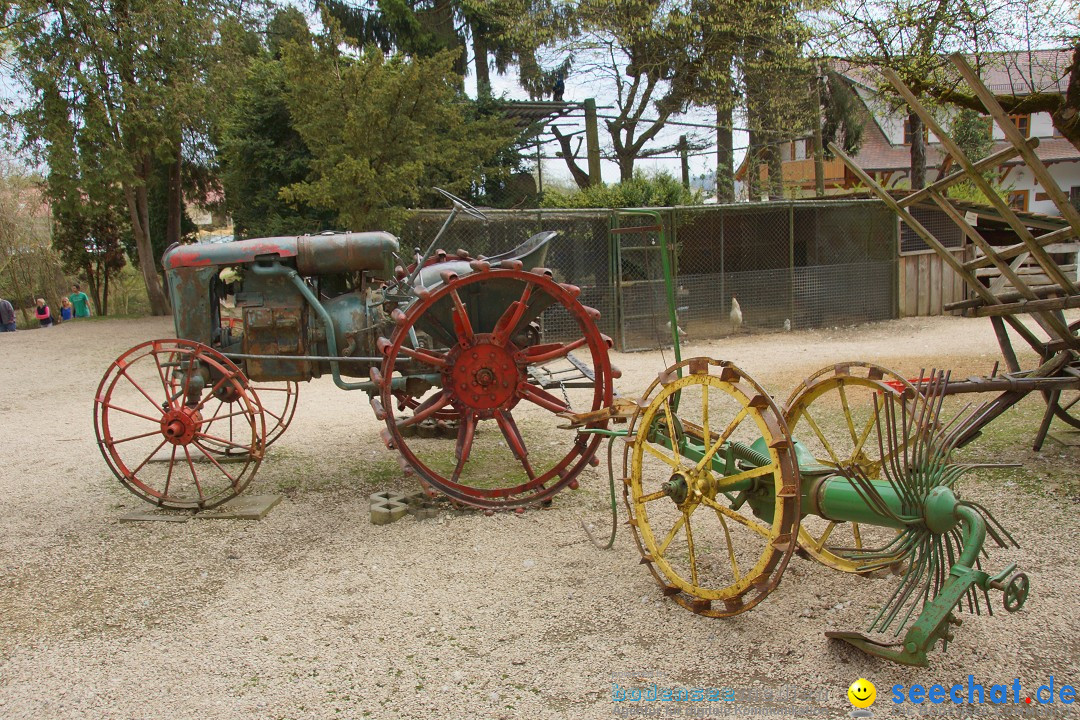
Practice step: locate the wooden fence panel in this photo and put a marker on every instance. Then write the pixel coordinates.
(927, 283)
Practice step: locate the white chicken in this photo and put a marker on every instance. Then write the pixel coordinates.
(736, 315)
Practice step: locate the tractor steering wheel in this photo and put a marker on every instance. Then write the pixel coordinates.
(463, 206)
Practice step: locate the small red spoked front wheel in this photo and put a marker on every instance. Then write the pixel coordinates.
(155, 424)
(506, 387)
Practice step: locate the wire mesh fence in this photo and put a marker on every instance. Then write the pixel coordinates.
(788, 264)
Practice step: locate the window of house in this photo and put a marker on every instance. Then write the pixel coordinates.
(907, 132)
(1022, 123)
(1074, 196)
(808, 147)
(791, 150)
(1018, 200)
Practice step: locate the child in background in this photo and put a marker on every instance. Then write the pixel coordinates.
(67, 311)
(43, 314)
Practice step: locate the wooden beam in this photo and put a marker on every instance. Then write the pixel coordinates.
(1026, 306)
(929, 239)
(1013, 250)
(1051, 324)
(990, 161)
(1000, 205)
(1013, 135)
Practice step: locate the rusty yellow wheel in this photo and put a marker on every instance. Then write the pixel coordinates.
(837, 415)
(712, 487)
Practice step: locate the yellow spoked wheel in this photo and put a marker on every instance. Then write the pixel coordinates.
(714, 518)
(838, 415)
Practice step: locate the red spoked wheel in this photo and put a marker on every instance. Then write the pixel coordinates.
(154, 425)
(278, 402)
(483, 357)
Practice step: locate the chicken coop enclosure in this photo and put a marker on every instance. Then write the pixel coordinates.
(797, 264)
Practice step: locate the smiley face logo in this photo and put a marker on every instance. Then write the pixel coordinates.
(862, 693)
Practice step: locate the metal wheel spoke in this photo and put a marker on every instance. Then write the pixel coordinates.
(730, 480)
(231, 376)
(147, 459)
(273, 415)
(730, 547)
(194, 474)
(737, 517)
(426, 409)
(821, 436)
(539, 354)
(866, 432)
(462, 324)
(514, 440)
(732, 426)
(671, 534)
(1069, 406)
(424, 356)
(539, 396)
(847, 413)
(164, 384)
(110, 406)
(157, 406)
(217, 465)
(168, 476)
(857, 534)
(671, 428)
(705, 436)
(820, 542)
(229, 415)
(135, 437)
(511, 317)
(222, 441)
(672, 461)
(690, 550)
(466, 432)
(221, 404)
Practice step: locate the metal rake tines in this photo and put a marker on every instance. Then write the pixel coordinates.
(920, 447)
(927, 572)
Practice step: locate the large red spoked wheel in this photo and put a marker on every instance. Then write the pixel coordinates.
(484, 355)
(154, 426)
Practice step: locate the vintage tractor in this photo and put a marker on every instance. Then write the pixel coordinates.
(488, 351)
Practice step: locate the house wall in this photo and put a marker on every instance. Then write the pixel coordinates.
(1065, 174)
(1041, 126)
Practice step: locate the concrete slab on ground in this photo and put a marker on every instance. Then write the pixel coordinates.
(246, 507)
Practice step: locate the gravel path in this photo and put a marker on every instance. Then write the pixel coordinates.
(315, 613)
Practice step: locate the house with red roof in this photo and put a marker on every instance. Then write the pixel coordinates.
(885, 153)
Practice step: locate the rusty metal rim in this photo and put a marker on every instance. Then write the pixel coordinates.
(223, 372)
(777, 553)
(542, 486)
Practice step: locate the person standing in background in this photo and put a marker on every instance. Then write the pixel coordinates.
(43, 313)
(7, 316)
(66, 310)
(80, 302)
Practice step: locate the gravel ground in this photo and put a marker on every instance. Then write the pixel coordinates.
(315, 613)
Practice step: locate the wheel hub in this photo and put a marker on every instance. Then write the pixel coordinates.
(180, 425)
(484, 376)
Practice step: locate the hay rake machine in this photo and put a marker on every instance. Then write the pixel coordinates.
(720, 493)
(445, 345)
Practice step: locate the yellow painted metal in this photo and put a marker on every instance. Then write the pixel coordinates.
(701, 530)
(844, 390)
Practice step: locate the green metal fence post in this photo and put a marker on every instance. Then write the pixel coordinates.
(791, 262)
